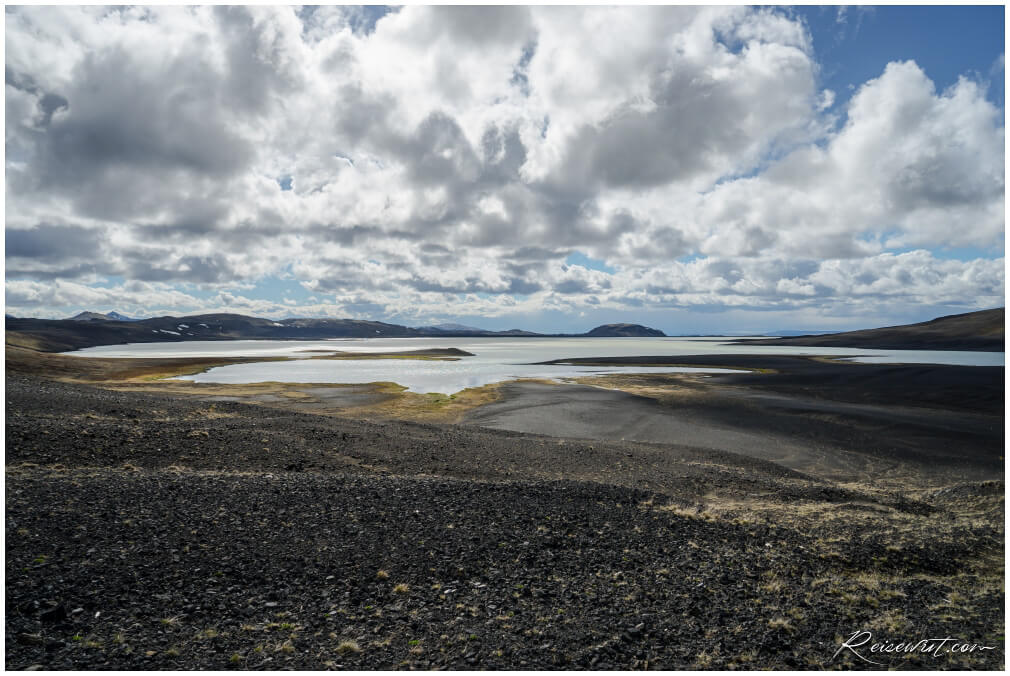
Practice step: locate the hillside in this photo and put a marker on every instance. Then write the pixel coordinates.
(55, 335)
(89, 316)
(113, 315)
(976, 331)
(625, 331)
(61, 335)
(982, 331)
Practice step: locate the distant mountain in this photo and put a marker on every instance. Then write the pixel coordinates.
(59, 335)
(88, 316)
(451, 327)
(109, 316)
(115, 316)
(464, 331)
(624, 331)
(981, 331)
(971, 331)
(516, 332)
(88, 329)
(787, 333)
(321, 328)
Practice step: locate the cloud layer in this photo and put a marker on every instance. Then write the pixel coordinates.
(440, 162)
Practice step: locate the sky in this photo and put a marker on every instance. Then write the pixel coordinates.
(724, 170)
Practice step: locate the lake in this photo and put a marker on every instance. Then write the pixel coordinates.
(494, 360)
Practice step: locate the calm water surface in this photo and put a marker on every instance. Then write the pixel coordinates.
(494, 360)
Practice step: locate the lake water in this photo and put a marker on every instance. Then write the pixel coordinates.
(494, 360)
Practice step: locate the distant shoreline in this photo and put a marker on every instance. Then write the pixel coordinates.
(973, 331)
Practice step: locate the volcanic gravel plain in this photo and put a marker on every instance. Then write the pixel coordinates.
(173, 529)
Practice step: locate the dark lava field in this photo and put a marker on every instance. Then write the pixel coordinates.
(150, 532)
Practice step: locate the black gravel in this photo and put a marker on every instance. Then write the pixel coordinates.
(282, 541)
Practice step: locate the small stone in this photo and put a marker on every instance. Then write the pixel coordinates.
(30, 639)
(55, 615)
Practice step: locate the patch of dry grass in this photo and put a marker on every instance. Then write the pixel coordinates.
(347, 647)
(430, 407)
(21, 357)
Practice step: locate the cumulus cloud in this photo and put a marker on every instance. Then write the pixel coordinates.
(399, 163)
(910, 167)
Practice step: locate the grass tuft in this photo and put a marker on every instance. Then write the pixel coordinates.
(348, 647)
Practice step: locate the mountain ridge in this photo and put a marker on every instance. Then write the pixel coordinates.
(982, 330)
(624, 331)
(98, 316)
(91, 329)
(973, 331)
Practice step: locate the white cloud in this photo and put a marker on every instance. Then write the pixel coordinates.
(911, 167)
(441, 158)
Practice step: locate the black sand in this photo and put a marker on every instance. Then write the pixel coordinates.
(156, 532)
(835, 420)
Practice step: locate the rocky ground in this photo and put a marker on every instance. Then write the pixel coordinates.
(153, 532)
(888, 425)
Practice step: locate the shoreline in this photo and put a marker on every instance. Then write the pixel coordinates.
(761, 402)
(197, 532)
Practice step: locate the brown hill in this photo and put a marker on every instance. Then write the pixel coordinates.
(624, 331)
(977, 331)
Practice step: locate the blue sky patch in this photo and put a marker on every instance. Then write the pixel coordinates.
(855, 44)
(579, 258)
